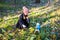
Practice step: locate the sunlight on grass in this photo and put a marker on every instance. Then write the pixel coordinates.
(47, 17)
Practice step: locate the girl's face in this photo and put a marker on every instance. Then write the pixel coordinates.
(25, 11)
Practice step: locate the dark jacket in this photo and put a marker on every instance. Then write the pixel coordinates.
(22, 21)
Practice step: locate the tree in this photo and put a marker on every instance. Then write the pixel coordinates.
(37, 1)
(2, 0)
(51, 2)
(48, 3)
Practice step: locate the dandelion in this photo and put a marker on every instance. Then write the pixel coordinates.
(22, 32)
(31, 30)
(54, 37)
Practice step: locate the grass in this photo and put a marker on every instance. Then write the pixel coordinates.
(48, 19)
(43, 16)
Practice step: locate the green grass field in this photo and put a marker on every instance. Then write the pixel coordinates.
(48, 17)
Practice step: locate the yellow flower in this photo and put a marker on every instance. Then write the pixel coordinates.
(4, 38)
(54, 36)
(31, 30)
(22, 32)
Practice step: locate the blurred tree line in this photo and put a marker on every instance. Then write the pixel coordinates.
(15, 5)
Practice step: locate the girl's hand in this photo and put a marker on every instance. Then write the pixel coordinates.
(24, 26)
(26, 17)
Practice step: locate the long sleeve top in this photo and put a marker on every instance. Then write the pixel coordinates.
(23, 21)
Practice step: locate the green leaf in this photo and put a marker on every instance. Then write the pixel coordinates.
(3, 30)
